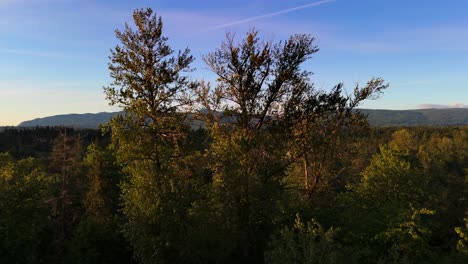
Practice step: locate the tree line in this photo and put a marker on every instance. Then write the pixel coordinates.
(278, 171)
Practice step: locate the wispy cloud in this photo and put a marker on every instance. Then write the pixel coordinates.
(288, 10)
(442, 106)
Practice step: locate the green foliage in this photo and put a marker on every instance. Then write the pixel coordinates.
(462, 232)
(67, 171)
(403, 139)
(270, 146)
(104, 176)
(153, 211)
(444, 159)
(389, 171)
(255, 81)
(407, 205)
(323, 127)
(256, 78)
(305, 243)
(247, 188)
(148, 83)
(24, 192)
(417, 117)
(97, 238)
(392, 198)
(143, 55)
(97, 242)
(38, 142)
(408, 241)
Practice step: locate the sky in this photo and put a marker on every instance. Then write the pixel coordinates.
(54, 53)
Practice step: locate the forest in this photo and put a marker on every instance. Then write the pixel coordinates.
(258, 166)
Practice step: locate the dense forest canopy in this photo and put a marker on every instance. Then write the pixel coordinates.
(296, 176)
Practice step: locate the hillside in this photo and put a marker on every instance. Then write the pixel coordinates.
(71, 120)
(417, 117)
(420, 117)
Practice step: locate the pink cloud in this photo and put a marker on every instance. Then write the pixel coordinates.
(442, 106)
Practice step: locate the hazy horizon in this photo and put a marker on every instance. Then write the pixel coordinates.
(55, 52)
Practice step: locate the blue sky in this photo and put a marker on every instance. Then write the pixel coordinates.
(54, 53)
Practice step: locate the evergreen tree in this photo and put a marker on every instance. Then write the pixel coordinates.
(148, 83)
(97, 238)
(104, 177)
(66, 169)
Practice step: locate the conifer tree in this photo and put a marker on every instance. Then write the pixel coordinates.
(148, 84)
(65, 161)
(104, 176)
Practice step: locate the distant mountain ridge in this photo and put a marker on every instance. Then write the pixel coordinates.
(417, 117)
(87, 120)
(376, 117)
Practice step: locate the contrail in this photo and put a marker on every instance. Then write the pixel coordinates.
(242, 21)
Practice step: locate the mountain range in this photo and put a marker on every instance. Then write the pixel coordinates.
(418, 117)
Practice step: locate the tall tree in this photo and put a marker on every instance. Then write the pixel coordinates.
(256, 79)
(256, 82)
(261, 100)
(65, 161)
(149, 83)
(321, 125)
